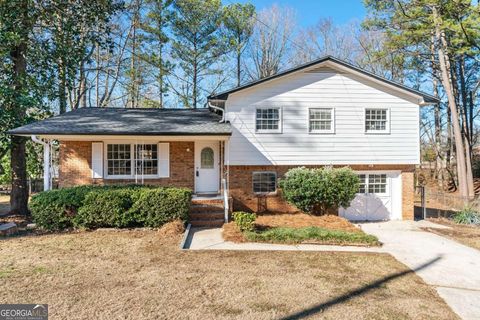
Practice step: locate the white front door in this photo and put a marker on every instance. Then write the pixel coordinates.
(207, 164)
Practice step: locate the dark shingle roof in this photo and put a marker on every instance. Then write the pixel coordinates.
(119, 121)
(224, 95)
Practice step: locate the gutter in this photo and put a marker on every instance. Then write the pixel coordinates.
(210, 105)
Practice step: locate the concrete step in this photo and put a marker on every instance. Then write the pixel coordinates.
(200, 201)
(218, 215)
(207, 223)
(200, 208)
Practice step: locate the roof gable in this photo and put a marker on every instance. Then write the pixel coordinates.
(329, 64)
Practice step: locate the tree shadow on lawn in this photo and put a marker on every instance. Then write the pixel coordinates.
(355, 293)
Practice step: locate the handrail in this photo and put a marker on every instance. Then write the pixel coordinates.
(225, 199)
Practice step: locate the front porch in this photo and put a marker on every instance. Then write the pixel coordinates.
(196, 164)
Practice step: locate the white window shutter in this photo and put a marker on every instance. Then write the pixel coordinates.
(164, 160)
(97, 160)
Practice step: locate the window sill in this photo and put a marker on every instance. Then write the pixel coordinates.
(377, 132)
(268, 131)
(150, 177)
(321, 132)
(266, 194)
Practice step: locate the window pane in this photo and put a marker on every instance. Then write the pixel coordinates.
(377, 183)
(376, 119)
(267, 119)
(362, 187)
(206, 158)
(118, 160)
(146, 159)
(264, 182)
(320, 119)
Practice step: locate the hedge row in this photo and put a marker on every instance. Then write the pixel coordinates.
(109, 206)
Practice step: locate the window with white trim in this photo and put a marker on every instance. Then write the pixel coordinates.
(128, 160)
(264, 182)
(119, 160)
(376, 120)
(321, 120)
(268, 120)
(372, 183)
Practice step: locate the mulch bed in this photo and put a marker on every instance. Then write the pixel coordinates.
(296, 220)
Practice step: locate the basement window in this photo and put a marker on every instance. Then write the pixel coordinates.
(264, 182)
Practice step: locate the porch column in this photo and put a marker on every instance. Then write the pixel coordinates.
(46, 162)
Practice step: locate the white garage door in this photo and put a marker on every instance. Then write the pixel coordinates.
(379, 198)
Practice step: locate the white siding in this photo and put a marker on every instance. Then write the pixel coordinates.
(349, 95)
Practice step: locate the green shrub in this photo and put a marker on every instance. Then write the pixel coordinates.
(55, 209)
(317, 190)
(299, 235)
(107, 208)
(155, 207)
(244, 220)
(467, 216)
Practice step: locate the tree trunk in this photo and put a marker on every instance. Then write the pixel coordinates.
(444, 68)
(62, 87)
(466, 129)
(19, 193)
(239, 56)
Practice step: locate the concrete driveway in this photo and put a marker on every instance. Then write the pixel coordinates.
(454, 270)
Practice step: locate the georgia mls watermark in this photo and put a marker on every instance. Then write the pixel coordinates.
(23, 311)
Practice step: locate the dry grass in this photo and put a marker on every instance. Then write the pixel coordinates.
(232, 233)
(171, 230)
(4, 204)
(467, 235)
(137, 275)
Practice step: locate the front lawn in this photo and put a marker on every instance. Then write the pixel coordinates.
(141, 274)
(468, 235)
(301, 228)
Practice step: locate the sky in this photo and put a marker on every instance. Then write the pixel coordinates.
(309, 11)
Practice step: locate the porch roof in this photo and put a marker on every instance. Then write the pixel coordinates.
(124, 121)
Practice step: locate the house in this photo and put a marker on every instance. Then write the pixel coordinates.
(323, 113)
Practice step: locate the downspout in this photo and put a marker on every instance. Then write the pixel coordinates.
(47, 181)
(210, 105)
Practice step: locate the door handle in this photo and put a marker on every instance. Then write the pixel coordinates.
(196, 172)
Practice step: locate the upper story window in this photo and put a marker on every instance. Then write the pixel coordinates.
(321, 120)
(264, 182)
(268, 120)
(376, 120)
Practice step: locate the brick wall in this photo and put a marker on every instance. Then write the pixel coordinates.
(76, 157)
(244, 198)
(75, 162)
